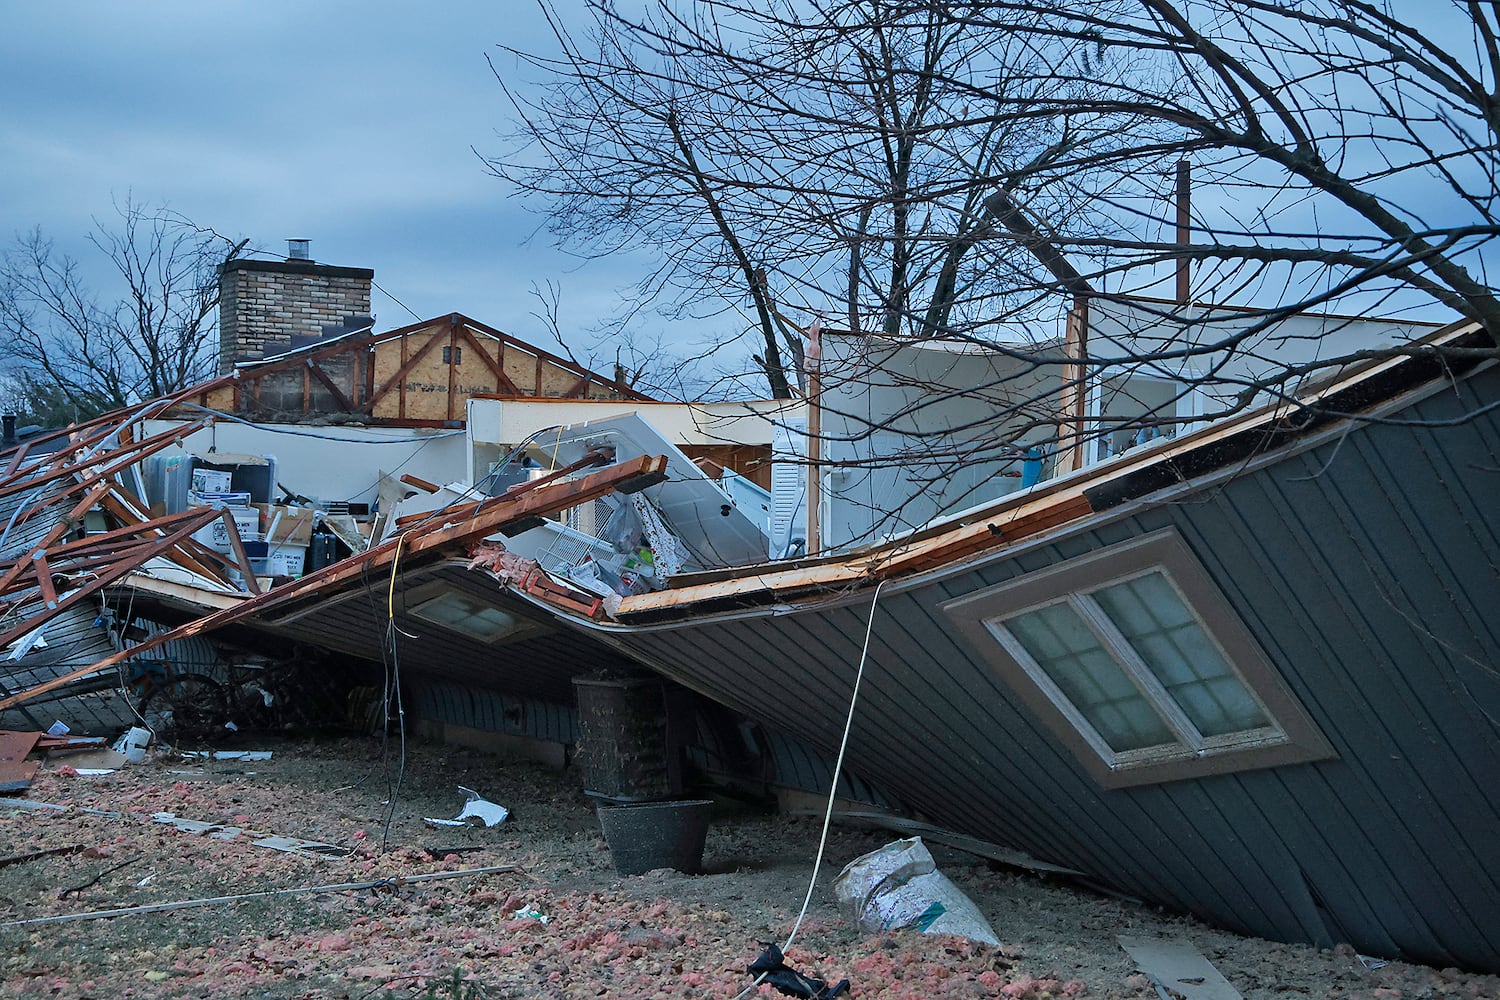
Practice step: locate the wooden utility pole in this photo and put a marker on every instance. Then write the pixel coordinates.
(814, 438)
(1184, 229)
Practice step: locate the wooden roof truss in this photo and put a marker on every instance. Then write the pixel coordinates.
(441, 534)
(373, 391)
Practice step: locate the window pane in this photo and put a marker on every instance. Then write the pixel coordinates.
(1161, 629)
(464, 614)
(1068, 652)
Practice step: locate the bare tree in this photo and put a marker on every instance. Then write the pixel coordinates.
(73, 355)
(1348, 147)
(793, 159)
(1010, 174)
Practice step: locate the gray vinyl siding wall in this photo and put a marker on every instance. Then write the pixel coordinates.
(1368, 568)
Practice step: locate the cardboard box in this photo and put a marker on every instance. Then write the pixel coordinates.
(216, 536)
(218, 501)
(286, 560)
(285, 524)
(210, 481)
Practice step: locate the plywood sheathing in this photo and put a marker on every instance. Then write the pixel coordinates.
(423, 380)
(421, 375)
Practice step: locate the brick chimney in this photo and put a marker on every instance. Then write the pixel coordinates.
(267, 307)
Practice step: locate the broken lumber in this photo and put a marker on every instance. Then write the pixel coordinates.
(417, 546)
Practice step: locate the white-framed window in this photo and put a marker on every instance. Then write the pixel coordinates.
(1133, 657)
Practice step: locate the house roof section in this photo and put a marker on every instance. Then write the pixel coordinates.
(416, 375)
(441, 535)
(1071, 498)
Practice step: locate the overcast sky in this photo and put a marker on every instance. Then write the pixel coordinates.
(346, 123)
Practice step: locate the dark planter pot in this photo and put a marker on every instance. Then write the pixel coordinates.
(647, 835)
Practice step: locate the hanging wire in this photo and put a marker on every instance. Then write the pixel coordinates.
(833, 787)
(393, 693)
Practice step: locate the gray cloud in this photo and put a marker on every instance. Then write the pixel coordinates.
(346, 123)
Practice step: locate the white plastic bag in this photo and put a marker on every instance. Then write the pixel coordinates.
(899, 886)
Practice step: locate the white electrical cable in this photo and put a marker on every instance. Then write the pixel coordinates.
(833, 787)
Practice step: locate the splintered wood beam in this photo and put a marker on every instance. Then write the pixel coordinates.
(238, 547)
(988, 533)
(539, 502)
(593, 458)
(190, 554)
(108, 576)
(899, 558)
(44, 580)
(417, 546)
(776, 583)
(16, 458)
(112, 462)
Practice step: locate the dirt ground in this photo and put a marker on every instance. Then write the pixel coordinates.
(663, 934)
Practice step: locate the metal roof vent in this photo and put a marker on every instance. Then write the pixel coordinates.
(298, 250)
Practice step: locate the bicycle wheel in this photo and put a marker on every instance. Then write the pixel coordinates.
(185, 708)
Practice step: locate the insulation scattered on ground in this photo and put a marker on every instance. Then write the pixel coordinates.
(663, 934)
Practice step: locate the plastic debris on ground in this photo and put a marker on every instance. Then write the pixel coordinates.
(477, 811)
(1178, 970)
(132, 743)
(527, 913)
(289, 845)
(898, 886)
(227, 755)
(771, 968)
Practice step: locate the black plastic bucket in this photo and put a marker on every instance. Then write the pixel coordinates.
(647, 835)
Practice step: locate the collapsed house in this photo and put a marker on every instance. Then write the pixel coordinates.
(1241, 667)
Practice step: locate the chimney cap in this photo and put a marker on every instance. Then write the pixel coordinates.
(297, 249)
